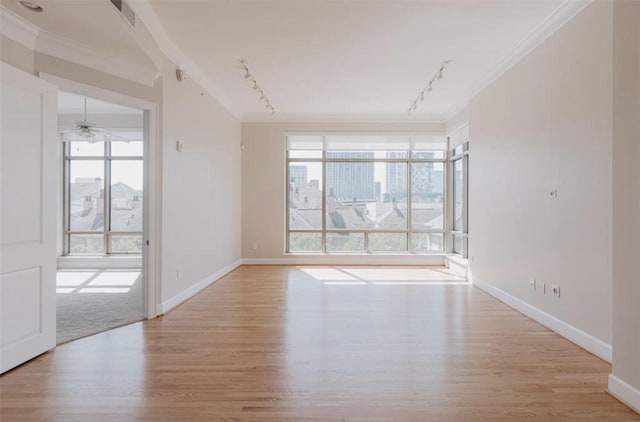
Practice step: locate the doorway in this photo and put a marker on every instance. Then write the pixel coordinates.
(99, 283)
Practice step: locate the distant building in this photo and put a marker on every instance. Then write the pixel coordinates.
(297, 176)
(351, 180)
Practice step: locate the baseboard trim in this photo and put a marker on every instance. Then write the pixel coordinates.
(624, 392)
(188, 293)
(422, 260)
(586, 341)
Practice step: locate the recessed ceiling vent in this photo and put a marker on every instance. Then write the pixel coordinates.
(125, 11)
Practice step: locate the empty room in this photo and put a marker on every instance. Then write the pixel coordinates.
(371, 210)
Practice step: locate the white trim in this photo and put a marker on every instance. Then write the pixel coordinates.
(566, 11)
(18, 29)
(34, 38)
(189, 292)
(65, 49)
(80, 88)
(341, 117)
(586, 341)
(151, 263)
(329, 259)
(144, 11)
(624, 392)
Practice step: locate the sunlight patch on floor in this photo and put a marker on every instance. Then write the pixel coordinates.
(390, 276)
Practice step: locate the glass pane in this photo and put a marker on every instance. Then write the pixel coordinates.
(345, 242)
(427, 194)
(305, 242)
(427, 242)
(127, 149)
(387, 242)
(457, 244)
(126, 195)
(86, 195)
(427, 155)
(458, 197)
(305, 196)
(126, 243)
(86, 149)
(366, 195)
(86, 243)
(350, 187)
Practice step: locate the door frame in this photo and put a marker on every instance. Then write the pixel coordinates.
(151, 258)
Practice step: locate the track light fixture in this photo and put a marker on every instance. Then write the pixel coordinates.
(429, 87)
(254, 85)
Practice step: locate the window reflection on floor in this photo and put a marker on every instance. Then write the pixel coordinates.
(92, 301)
(350, 276)
(98, 281)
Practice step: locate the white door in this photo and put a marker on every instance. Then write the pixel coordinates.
(28, 174)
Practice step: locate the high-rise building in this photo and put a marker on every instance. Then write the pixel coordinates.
(351, 180)
(297, 176)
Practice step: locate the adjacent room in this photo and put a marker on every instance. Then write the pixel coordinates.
(101, 194)
(319, 210)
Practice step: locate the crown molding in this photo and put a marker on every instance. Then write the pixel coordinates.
(144, 11)
(340, 118)
(36, 39)
(19, 30)
(63, 48)
(566, 11)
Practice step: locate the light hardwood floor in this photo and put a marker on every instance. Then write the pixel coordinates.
(285, 343)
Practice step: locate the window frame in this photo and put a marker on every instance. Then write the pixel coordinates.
(460, 154)
(409, 160)
(107, 158)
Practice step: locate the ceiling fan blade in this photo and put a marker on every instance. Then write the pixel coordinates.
(110, 136)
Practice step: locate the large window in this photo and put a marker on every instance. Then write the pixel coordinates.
(460, 169)
(366, 193)
(103, 196)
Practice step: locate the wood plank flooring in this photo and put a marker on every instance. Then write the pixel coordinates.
(320, 344)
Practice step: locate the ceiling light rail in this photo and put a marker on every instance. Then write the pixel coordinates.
(428, 87)
(254, 85)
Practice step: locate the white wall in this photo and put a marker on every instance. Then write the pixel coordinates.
(201, 185)
(264, 188)
(626, 203)
(545, 125)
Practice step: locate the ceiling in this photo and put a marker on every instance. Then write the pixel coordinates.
(94, 25)
(318, 59)
(74, 104)
(349, 57)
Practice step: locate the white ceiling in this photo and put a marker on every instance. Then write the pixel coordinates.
(368, 58)
(91, 24)
(331, 60)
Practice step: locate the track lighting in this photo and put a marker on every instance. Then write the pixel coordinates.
(254, 85)
(438, 76)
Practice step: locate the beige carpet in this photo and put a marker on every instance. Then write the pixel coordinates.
(92, 301)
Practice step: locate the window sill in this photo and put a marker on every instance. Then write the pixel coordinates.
(99, 261)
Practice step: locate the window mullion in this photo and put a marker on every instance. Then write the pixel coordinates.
(324, 196)
(107, 197)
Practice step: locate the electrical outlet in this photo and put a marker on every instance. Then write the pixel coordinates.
(532, 284)
(555, 290)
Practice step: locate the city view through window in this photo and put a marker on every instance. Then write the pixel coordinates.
(366, 193)
(104, 185)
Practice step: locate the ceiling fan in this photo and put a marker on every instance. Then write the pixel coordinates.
(86, 131)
